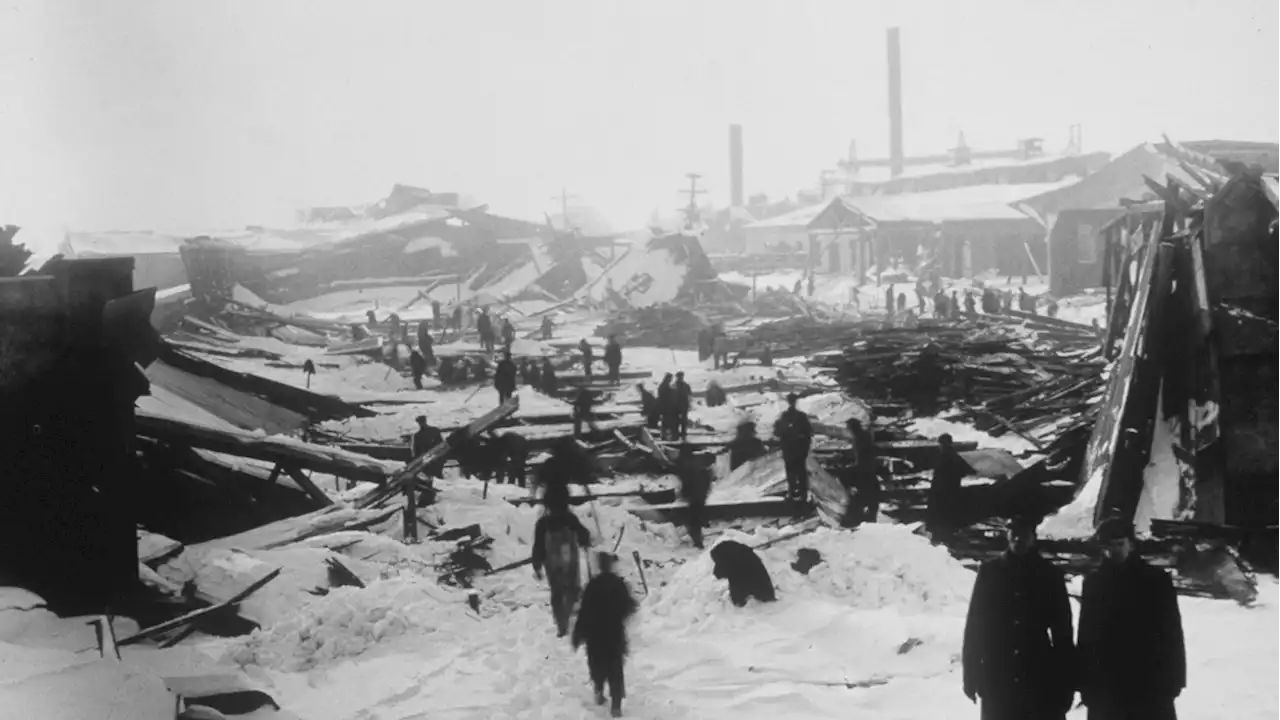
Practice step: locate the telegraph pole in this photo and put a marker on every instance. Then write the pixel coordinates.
(691, 210)
(564, 198)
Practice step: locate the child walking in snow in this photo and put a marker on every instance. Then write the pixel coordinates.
(606, 606)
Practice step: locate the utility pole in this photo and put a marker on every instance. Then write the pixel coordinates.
(691, 210)
(564, 198)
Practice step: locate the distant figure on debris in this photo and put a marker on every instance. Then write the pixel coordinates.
(706, 338)
(888, 299)
(716, 396)
(308, 369)
(427, 348)
(508, 332)
(746, 574)
(795, 432)
(418, 367)
(613, 359)
(695, 484)
(902, 303)
(547, 326)
(1132, 656)
(667, 407)
(423, 440)
(1017, 654)
(720, 349)
(683, 399)
(372, 317)
(1052, 308)
(535, 376)
(358, 332)
(649, 407)
(606, 605)
(939, 304)
(1006, 301)
(1097, 330)
(942, 514)
(446, 371)
(514, 449)
(970, 305)
(504, 378)
(745, 445)
(457, 319)
(548, 382)
(953, 305)
(811, 284)
(1025, 302)
(920, 296)
(436, 319)
(558, 536)
(864, 476)
(568, 464)
(582, 403)
(484, 326)
(588, 356)
(424, 331)
(766, 356)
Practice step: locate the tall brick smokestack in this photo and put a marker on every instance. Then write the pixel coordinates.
(895, 104)
(735, 166)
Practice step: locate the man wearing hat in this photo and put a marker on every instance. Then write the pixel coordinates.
(795, 432)
(695, 485)
(1133, 661)
(745, 445)
(683, 400)
(1017, 653)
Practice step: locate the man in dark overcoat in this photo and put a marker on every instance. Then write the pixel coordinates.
(1133, 659)
(1018, 654)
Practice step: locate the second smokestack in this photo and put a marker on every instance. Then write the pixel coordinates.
(895, 104)
(735, 166)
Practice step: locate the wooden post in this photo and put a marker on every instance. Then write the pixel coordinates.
(635, 554)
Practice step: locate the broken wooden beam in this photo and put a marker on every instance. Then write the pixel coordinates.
(197, 614)
(286, 452)
(310, 488)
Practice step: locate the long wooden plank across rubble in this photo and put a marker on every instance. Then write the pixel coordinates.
(408, 474)
(289, 453)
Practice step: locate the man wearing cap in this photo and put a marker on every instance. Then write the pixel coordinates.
(695, 484)
(1133, 661)
(864, 476)
(683, 399)
(1017, 653)
(795, 432)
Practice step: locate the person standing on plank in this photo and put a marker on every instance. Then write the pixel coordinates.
(425, 345)
(1018, 654)
(423, 440)
(484, 326)
(683, 399)
(613, 359)
(508, 332)
(667, 406)
(547, 326)
(865, 476)
(582, 402)
(558, 536)
(607, 603)
(587, 357)
(695, 484)
(1133, 658)
(944, 492)
(418, 367)
(504, 377)
(795, 432)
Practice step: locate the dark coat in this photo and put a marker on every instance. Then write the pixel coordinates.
(1018, 653)
(683, 396)
(602, 615)
(666, 397)
(945, 488)
(793, 429)
(613, 354)
(504, 377)
(745, 572)
(556, 521)
(744, 448)
(1131, 643)
(484, 325)
(417, 363)
(425, 439)
(649, 406)
(548, 383)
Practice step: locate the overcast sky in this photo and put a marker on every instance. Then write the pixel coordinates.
(171, 114)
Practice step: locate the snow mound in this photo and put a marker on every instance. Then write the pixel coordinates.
(348, 621)
(873, 567)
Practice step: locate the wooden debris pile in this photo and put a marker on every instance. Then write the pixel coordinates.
(657, 326)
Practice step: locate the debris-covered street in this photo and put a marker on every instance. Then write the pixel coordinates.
(980, 433)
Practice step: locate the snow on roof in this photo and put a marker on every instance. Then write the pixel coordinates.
(795, 218)
(976, 202)
(875, 175)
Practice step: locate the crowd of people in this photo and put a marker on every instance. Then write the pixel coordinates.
(932, 296)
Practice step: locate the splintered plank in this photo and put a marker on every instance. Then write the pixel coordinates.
(197, 614)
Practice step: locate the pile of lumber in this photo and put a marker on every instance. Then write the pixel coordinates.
(1004, 367)
(809, 335)
(657, 326)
